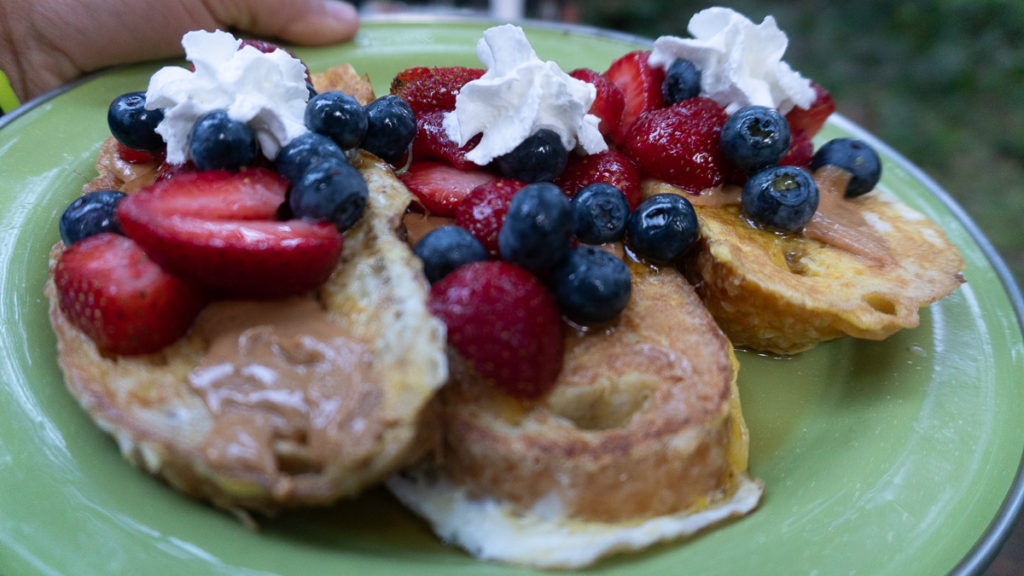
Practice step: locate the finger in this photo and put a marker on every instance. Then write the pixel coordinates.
(297, 21)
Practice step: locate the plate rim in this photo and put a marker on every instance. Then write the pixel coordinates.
(989, 543)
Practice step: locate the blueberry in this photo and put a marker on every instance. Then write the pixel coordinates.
(856, 157)
(682, 81)
(390, 129)
(539, 158)
(591, 285)
(446, 248)
(599, 213)
(331, 191)
(537, 228)
(783, 197)
(217, 142)
(89, 215)
(311, 89)
(662, 228)
(304, 151)
(339, 116)
(754, 138)
(133, 125)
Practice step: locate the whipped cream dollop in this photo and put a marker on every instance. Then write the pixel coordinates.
(740, 62)
(267, 91)
(518, 95)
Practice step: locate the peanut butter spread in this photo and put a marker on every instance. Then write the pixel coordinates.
(291, 390)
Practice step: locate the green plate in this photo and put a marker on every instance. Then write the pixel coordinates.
(897, 457)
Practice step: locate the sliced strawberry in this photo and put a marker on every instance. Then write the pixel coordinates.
(440, 187)
(218, 229)
(122, 300)
(608, 167)
(433, 143)
(801, 148)
(483, 211)
(810, 120)
(426, 89)
(138, 156)
(503, 321)
(640, 84)
(680, 144)
(609, 102)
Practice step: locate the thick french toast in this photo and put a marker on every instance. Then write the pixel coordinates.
(640, 440)
(352, 368)
(862, 267)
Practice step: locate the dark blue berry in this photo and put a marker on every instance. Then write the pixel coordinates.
(682, 81)
(537, 227)
(591, 285)
(90, 214)
(446, 248)
(783, 197)
(330, 191)
(217, 142)
(311, 89)
(599, 213)
(304, 151)
(390, 129)
(754, 138)
(133, 125)
(662, 228)
(539, 158)
(338, 116)
(856, 157)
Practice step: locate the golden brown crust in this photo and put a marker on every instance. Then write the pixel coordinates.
(785, 293)
(639, 423)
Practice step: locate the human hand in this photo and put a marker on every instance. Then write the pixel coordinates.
(46, 43)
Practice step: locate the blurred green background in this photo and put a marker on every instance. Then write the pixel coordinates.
(941, 81)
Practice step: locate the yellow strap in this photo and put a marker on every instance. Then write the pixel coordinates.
(8, 101)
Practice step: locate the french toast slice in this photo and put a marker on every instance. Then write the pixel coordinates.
(863, 267)
(356, 364)
(640, 440)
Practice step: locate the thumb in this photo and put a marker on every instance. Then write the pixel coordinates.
(295, 21)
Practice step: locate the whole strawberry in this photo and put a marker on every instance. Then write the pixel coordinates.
(483, 211)
(610, 167)
(122, 300)
(426, 89)
(504, 322)
(680, 144)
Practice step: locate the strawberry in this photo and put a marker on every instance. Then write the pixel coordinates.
(433, 143)
(426, 89)
(810, 120)
(800, 150)
(483, 211)
(608, 167)
(640, 84)
(609, 101)
(138, 156)
(504, 322)
(218, 229)
(440, 187)
(680, 144)
(120, 299)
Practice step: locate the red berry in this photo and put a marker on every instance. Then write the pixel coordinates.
(426, 89)
(122, 300)
(680, 144)
(504, 322)
(810, 120)
(640, 84)
(608, 167)
(609, 102)
(433, 143)
(483, 211)
(440, 187)
(800, 150)
(138, 156)
(219, 229)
